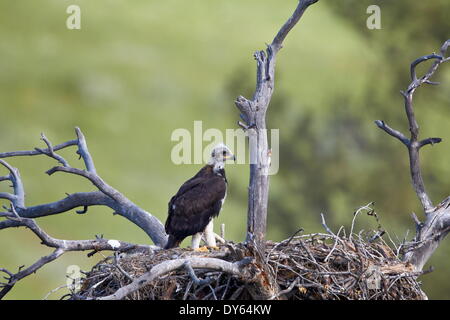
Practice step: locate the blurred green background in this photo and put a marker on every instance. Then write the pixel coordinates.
(136, 71)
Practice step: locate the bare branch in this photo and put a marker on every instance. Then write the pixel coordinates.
(436, 226)
(98, 244)
(444, 48)
(51, 152)
(9, 223)
(36, 152)
(21, 216)
(70, 202)
(172, 265)
(417, 82)
(417, 180)
(429, 235)
(117, 265)
(414, 144)
(7, 196)
(222, 230)
(19, 193)
(84, 152)
(292, 21)
(92, 177)
(195, 279)
(61, 246)
(107, 195)
(7, 272)
(416, 220)
(219, 238)
(30, 270)
(431, 141)
(324, 224)
(396, 134)
(287, 290)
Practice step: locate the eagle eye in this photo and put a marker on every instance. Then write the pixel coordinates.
(224, 153)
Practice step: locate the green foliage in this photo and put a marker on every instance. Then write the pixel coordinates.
(137, 71)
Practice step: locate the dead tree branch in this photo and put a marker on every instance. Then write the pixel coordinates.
(437, 219)
(168, 266)
(61, 247)
(19, 215)
(253, 113)
(105, 196)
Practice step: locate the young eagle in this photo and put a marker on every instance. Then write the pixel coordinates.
(198, 201)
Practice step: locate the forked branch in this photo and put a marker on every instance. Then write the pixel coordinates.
(437, 223)
(413, 143)
(60, 246)
(105, 196)
(234, 268)
(19, 215)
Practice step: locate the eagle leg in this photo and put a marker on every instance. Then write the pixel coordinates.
(196, 238)
(210, 236)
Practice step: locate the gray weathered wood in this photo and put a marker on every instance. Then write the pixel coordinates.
(429, 235)
(235, 268)
(253, 113)
(105, 196)
(61, 247)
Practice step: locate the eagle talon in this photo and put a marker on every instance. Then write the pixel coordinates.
(202, 249)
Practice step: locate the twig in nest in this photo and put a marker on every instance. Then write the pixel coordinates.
(337, 239)
(324, 224)
(368, 208)
(195, 279)
(285, 291)
(377, 235)
(54, 290)
(117, 265)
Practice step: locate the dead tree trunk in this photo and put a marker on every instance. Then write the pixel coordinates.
(253, 114)
(436, 226)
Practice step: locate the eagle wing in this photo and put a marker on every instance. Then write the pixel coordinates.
(197, 201)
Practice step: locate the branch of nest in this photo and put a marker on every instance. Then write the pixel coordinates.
(234, 268)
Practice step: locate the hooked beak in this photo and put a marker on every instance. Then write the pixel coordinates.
(231, 157)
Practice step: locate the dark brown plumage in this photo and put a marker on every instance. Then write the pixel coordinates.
(197, 202)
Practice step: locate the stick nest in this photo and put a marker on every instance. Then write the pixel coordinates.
(303, 267)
